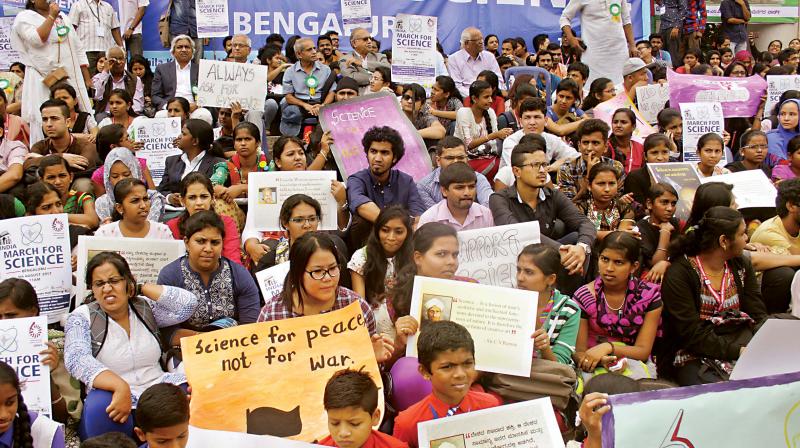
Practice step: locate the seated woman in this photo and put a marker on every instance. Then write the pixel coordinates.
(79, 206)
(792, 170)
(195, 143)
(599, 201)
(248, 159)
(788, 128)
(445, 100)
(710, 149)
(754, 155)
(115, 136)
(131, 211)
(122, 164)
(712, 299)
(670, 123)
(83, 123)
(179, 107)
(498, 102)
(413, 105)
(43, 199)
(657, 148)
(559, 317)
(564, 116)
(119, 363)
(373, 267)
(381, 80)
(120, 109)
(658, 229)
(226, 292)
(197, 195)
(620, 144)
(601, 90)
(619, 313)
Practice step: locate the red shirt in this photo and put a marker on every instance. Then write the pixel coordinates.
(431, 408)
(376, 440)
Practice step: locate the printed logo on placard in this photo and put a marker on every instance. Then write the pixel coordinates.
(8, 340)
(673, 439)
(5, 239)
(31, 234)
(58, 225)
(415, 25)
(35, 331)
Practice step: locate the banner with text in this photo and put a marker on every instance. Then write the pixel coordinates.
(771, 11)
(212, 18)
(413, 48)
(700, 119)
(356, 13)
(21, 342)
(221, 83)
(683, 178)
(776, 85)
(489, 255)
(228, 371)
(266, 192)
(157, 134)
(36, 249)
(349, 120)
(500, 320)
(739, 97)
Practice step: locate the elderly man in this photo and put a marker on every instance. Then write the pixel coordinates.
(240, 48)
(360, 64)
(116, 77)
(240, 52)
(97, 26)
(178, 77)
(471, 59)
(303, 85)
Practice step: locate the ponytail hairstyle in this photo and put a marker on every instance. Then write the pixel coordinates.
(121, 191)
(475, 90)
(376, 264)
(712, 194)
(491, 78)
(22, 421)
(704, 236)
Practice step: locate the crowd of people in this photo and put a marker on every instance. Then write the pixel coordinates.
(630, 297)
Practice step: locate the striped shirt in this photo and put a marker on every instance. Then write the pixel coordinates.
(86, 15)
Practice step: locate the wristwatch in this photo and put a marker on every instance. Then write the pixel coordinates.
(586, 248)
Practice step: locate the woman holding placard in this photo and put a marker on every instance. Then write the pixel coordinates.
(113, 344)
(248, 159)
(227, 294)
(131, 212)
(418, 113)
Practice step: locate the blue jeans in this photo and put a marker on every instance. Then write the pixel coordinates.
(95, 420)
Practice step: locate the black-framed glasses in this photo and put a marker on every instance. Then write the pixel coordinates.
(304, 219)
(407, 98)
(113, 281)
(537, 166)
(319, 274)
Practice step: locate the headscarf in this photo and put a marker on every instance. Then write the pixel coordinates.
(743, 56)
(105, 204)
(778, 138)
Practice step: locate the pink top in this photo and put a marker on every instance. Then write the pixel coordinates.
(478, 217)
(231, 243)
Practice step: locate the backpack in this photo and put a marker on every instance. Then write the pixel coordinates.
(163, 26)
(98, 325)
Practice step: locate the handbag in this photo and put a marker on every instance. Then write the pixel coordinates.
(163, 26)
(547, 379)
(57, 75)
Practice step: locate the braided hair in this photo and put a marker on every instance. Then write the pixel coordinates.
(22, 421)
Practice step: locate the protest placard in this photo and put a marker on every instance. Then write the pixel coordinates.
(500, 320)
(684, 179)
(204, 438)
(651, 100)
(700, 119)
(776, 85)
(413, 48)
(266, 192)
(271, 280)
(145, 257)
(221, 83)
(489, 255)
(751, 188)
(349, 120)
(605, 111)
(8, 54)
(227, 371)
(36, 249)
(739, 97)
(356, 13)
(212, 18)
(526, 424)
(21, 342)
(772, 351)
(759, 412)
(157, 134)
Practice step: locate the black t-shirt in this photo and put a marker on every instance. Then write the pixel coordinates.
(650, 235)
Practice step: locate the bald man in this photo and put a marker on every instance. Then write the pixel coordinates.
(471, 59)
(360, 64)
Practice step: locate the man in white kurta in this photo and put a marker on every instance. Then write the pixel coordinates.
(607, 32)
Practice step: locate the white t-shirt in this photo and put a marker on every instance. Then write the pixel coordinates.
(157, 231)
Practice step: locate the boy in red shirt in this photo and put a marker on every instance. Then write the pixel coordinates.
(447, 358)
(351, 400)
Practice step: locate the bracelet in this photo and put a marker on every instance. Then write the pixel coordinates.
(612, 347)
(57, 400)
(665, 230)
(661, 248)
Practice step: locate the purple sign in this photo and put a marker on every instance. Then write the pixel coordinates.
(349, 120)
(739, 97)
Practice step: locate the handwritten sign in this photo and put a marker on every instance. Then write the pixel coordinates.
(605, 111)
(776, 86)
(526, 424)
(754, 413)
(227, 370)
(684, 179)
(500, 320)
(144, 256)
(157, 134)
(36, 249)
(751, 188)
(489, 255)
(212, 18)
(221, 83)
(700, 119)
(739, 97)
(271, 280)
(651, 100)
(413, 48)
(349, 120)
(21, 341)
(356, 13)
(266, 192)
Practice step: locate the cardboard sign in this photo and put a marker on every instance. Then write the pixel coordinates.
(489, 255)
(221, 83)
(651, 100)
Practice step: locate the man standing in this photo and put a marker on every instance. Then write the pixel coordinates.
(131, 13)
(675, 11)
(97, 26)
(471, 59)
(458, 208)
(694, 25)
(735, 15)
(116, 77)
(178, 77)
(302, 85)
(360, 64)
(450, 150)
(607, 32)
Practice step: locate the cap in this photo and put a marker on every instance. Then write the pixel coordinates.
(434, 303)
(633, 65)
(347, 83)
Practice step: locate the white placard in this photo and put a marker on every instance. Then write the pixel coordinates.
(8, 54)
(751, 188)
(207, 438)
(36, 249)
(21, 342)
(500, 320)
(271, 280)
(776, 85)
(489, 255)
(266, 192)
(212, 18)
(145, 257)
(772, 351)
(650, 100)
(220, 83)
(700, 119)
(528, 424)
(356, 14)
(413, 48)
(157, 134)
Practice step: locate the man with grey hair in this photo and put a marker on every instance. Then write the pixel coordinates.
(116, 77)
(360, 64)
(471, 59)
(304, 85)
(178, 77)
(240, 48)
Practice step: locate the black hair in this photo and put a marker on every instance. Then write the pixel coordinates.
(524, 92)
(439, 337)
(21, 294)
(109, 440)
(695, 52)
(658, 189)
(280, 146)
(774, 70)
(448, 142)
(623, 242)
(732, 65)
(538, 40)
(475, 90)
(148, 71)
(160, 406)
(61, 105)
(533, 104)
(458, 172)
(201, 131)
(250, 128)
(386, 74)
(447, 85)
(581, 68)
(192, 178)
(109, 135)
(291, 56)
(17, 64)
(65, 86)
(8, 208)
(788, 193)
(570, 86)
(202, 220)
(723, 50)
(489, 36)
(666, 116)
(749, 135)
(712, 194)
(794, 145)
(36, 193)
(700, 69)
(645, 42)
(503, 60)
(384, 134)
(491, 78)
(323, 37)
(596, 89)
(121, 191)
(629, 112)
(51, 160)
(417, 94)
(529, 147)
(183, 102)
(597, 169)
(124, 96)
(301, 252)
(654, 140)
(274, 38)
(268, 52)
(293, 201)
(717, 221)
(376, 264)
(592, 126)
(22, 421)
(785, 54)
(708, 138)
(351, 388)
(118, 262)
(546, 258)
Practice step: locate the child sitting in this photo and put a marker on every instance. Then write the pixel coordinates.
(162, 417)
(447, 359)
(351, 400)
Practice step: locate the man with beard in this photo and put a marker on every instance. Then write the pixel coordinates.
(325, 48)
(458, 209)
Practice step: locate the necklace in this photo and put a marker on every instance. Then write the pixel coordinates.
(617, 310)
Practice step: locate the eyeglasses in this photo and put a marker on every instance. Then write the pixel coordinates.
(761, 147)
(474, 40)
(408, 98)
(238, 45)
(113, 281)
(319, 274)
(537, 166)
(303, 220)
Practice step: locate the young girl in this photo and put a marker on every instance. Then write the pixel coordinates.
(131, 209)
(753, 148)
(54, 170)
(373, 267)
(620, 145)
(120, 109)
(141, 68)
(558, 316)
(122, 164)
(792, 170)
(600, 203)
(656, 150)
(498, 102)
(658, 229)
(788, 128)
(567, 95)
(601, 89)
(619, 313)
(710, 149)
(179, 107)
(115, 136)
(413, 104)
(445, 100)
(670, 124)
(23, 428)
(248, 159)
